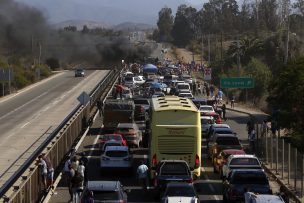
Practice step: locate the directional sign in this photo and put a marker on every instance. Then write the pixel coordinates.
(245, 82)
(6, 75)
(84, 98)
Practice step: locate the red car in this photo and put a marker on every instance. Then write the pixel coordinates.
(107, 137)
(222, 157)
(216, 116)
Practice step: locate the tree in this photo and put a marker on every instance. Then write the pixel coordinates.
(85, 29)
(299, 5)
(287, 94)
(268, 15)
(183, 27)
(53, 63)
(164, 24)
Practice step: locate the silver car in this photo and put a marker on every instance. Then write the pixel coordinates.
(116, 157)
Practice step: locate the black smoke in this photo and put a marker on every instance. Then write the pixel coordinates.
(24, 31)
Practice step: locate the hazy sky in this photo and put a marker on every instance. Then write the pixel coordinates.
(106, 11)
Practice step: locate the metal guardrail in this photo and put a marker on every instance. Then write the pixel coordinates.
(25, 184)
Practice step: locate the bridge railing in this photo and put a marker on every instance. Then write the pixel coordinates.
(25, 185)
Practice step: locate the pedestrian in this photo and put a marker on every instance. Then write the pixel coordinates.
(85, 161)
(99, 107)
(142, 175)
(264, 128)
(77, 186)
(224, 111)
(89, 197)
(232, 101)
(66, 171)
(43, 170)
(273, 127)
(75, 163)
(71, 175)
(249, 127)
(252, 141)
(220, 95)
(81, 169)
(50, 171)
(211, 91)
(194, 88)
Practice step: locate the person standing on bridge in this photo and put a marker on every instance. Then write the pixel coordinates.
(43, 170)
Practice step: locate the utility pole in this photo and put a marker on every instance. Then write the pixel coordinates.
(285, 20)
(39, 59)
(209, 49)
(202, 55)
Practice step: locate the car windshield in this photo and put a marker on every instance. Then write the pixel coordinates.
(244, 161)
(206, 108)
(223, 131)
(183, 87)
(112, 144)
(105, 195)
(249, 178)
(168, 77)
(173, 169)
(111, 137)
(227, 141)
(125, 130)
(206, 121)
(128, 79)
(141, 101)
(116, 153)
(174, 191)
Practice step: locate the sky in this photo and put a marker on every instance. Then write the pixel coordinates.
(106, 11)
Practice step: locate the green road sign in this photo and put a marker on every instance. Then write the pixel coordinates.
(245, 82)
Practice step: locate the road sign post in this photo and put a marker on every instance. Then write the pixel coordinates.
(237, 82)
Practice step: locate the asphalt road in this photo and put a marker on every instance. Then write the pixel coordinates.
(209, 187)
(34, 113)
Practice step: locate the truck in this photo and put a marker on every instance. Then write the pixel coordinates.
(117, 111)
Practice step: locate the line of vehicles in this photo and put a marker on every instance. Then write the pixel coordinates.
(172, 127)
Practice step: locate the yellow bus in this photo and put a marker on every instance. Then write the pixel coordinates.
(175, 132)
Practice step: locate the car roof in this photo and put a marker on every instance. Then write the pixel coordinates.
(179, 199)
(113, 141)
(248, 170)
(234, 151)
(112, 134)
(117, 148)
(226, 135)
(223, 125)
(219, 129)
(262, 198)
(178, 184)
(207, 117)
(103, 185)
(243, 156)
(206, 106)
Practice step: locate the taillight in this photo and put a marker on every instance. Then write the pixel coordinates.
(121, 201)
(233, 193)
(190, 181)
(197, 161)
(154, 160)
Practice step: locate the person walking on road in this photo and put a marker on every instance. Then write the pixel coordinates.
(77, 186)
(232, 101)
(251, 139)
(224, 111)
(142, 175)
(99, 107)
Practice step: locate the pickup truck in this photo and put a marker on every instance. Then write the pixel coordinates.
(171, 171)
(244, 161)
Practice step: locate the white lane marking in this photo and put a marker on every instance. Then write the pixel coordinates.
(25, 124)
(93, 146)
(210, 185)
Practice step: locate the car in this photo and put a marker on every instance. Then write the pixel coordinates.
(139, 80)
(105, 191)
(107, 137)
(204, 109)
(187, 79)
(240, 161)
(127, 93)
(171, 171)
(144, 102)
(261, 198)
(182, 86)
(129, 81)
(131, 133)
(79, 72)
(212, 127)
(199, 101)
(206, 121)
(116, 157)
(128, 74)
(111, 143)
(185, 95)
(222, 157)
(240, 180)
(222, 131)
(140, 117)
(216, 116)
(184, 192)
(219, 142)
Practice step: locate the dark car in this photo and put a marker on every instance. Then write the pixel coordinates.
(199, 101)
(241, 180)
(219, 142)
(143, 102)
(140, 117)
(180, 192)
(79, 72)
(171, 170)
(105, 191)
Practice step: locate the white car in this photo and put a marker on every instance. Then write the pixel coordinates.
(186, 95)
(183, 86)
(111, 143)
(116, 157)
(244, 161)
(127, 93)
(128, 74)
(262, 198)
(206, 122)
(138, 80)
(180, 192)
(206, 109)
(181, 200)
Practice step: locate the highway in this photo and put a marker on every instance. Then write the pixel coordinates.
(34, 113)
(209, 187)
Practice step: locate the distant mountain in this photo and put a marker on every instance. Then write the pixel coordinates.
(80, 23)
(133, 26)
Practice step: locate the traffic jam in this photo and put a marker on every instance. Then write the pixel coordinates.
(171, 120)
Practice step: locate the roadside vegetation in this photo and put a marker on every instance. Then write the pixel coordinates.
(260, 39)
